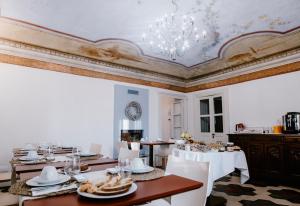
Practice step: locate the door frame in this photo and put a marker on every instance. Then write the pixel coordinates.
(185, 109)
(225, 103)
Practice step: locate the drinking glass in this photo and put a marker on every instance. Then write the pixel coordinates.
(124, 168)
(76, 150)
(144, 161)
(68, 168)
(76, 162)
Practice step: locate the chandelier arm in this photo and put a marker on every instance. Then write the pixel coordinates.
(175, 5)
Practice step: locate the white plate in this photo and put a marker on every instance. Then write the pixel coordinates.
(87, 154)
(33, 182)
(26, 158)
(131, 190)
(112, 170)
(143, 170)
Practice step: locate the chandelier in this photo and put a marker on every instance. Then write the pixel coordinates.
(173, 34)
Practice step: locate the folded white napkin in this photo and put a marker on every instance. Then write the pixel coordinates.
(40, 191)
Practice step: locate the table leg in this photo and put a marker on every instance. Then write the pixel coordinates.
(151, 155)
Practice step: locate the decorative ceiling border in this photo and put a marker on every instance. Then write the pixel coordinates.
(189, 68)
(245, 66)
(283, 69)
(125, 69)
(133, 72)
(44, 65)
(38, 64)
(227, 43)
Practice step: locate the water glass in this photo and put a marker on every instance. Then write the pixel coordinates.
(76, 164)
(75, 151)
(124, 168)
(68, 168)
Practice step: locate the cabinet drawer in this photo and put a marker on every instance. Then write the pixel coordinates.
(292, 139)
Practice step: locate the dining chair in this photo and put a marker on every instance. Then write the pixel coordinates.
(127, 154)
(197, 171)
(135, 146)
(95, 148)
(123, 144)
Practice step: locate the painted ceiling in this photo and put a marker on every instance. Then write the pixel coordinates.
(240, 31)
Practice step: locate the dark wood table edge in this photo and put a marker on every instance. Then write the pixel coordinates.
(145, 200)
(168, 194)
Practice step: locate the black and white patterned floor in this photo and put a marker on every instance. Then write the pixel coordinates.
(229, 190)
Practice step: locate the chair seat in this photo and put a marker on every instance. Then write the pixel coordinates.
(159, 202)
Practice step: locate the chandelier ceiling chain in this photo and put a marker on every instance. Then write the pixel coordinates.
(173, 34)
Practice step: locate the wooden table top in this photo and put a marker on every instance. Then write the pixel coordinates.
(38, 167)
(157, 143)
(18, 152)
(147, 191)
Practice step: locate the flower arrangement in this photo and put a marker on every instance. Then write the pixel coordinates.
(186, 136)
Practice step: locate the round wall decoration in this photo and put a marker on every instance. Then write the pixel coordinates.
(133, 111)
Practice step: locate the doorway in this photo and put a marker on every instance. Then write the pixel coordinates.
(172, 117)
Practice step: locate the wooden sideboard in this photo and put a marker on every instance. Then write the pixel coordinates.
(271, 157)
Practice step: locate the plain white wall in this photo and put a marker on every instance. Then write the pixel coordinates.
(257, 103)
(261, 103)
(44, 106)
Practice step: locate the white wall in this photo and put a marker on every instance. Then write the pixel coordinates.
(258, 103)
(44, 106)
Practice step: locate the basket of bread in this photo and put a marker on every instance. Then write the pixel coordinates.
(112, 187)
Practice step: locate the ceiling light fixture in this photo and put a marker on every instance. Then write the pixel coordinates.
(173, 34)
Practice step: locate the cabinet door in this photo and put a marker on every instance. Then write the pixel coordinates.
(293, 160)
(255, 157)
(274, 159)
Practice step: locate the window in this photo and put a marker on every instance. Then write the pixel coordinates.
(211, 114)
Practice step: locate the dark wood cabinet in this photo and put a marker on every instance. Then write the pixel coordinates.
(293, 156)
(271, 157)
(255, 158)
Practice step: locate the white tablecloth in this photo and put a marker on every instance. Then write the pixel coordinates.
(220, 164)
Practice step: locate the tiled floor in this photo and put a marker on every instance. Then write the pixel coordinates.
(237, 194)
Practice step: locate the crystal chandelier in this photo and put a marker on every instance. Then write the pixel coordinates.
(173, 34)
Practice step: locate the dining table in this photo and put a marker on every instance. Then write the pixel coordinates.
(20, 169)
(146, 191)
(151, 145)
(17, 152)
(220, 163)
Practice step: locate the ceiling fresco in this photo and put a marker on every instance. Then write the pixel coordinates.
(239, 32)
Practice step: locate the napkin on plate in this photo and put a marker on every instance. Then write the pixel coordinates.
(40, 191)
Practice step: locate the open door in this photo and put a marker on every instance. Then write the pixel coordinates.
(177, 118)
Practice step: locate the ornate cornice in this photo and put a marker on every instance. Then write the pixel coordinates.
(244, 68)
(126, 69)
(42, 58)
